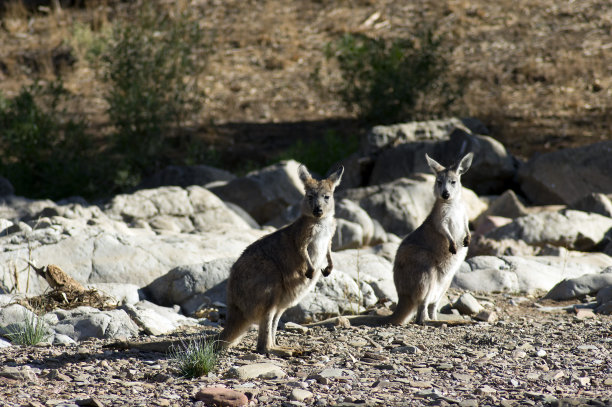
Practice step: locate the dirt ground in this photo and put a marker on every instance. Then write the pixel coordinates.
(538, 73)
(529, 357)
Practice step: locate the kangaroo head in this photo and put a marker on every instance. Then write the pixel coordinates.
(319, 195)
(448, 180)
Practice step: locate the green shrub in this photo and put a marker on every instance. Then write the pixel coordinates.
(386, 80)
(43, 154)
(196, 358)
(151, 66)
(32, 331)
(320, 155)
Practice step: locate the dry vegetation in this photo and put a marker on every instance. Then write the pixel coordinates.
(539, 73)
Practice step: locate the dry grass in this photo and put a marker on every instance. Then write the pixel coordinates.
(539, 72)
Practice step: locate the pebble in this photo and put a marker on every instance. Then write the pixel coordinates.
(222, 397)
(541, 353)
(300, 395)
(257, 371)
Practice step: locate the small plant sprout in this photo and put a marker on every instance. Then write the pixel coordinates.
(196, 357)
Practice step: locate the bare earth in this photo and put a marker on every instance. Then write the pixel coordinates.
(527, 357)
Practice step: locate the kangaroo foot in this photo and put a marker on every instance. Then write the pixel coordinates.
(281, 351)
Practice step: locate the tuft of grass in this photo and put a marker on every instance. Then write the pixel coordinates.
(32, 331)
(196, 358)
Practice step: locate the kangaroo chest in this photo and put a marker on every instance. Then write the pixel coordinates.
(322, 234)
(455, 219)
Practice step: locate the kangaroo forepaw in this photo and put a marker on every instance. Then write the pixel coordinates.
(452, 248)
(327, 270)
(309, 273)
(467, 240)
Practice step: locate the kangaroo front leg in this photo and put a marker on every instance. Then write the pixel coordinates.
(330, 264)
(309, 266)
(452, 246)
(468, 236)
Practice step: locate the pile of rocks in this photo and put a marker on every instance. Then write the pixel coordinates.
(163, 253)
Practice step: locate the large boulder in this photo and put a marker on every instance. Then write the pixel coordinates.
(264, 193)
(571, 229)
(86, 322)
(492, 170)
(186, 175)
(175, 209)
(402, 205)
(565, 176)
(191, 286)
(525, 274)
(579, 287)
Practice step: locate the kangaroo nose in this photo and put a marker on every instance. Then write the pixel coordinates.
(445, 194)
(317, 212)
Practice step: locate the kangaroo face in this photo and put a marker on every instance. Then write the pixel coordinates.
(448, 180)
(319, 195)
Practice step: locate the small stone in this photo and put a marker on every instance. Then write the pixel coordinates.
(89, 402)
(429, 393)
(300, 395)
(486, 316)
(468, 403)
(533, 376)
(466, 304)
(220, 396)
(15, 373)
(583, 381)
(462, 377)
(553, 375)
(608, 381)
(584, 313)
(518, 354)
(486, 390)
(257, 371)
(293, 327)
(411, 350)
(343, 322)
(541, 353)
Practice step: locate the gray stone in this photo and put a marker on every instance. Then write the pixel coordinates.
(524, 274)
(567, 175)
(257, 371)
(595, 203)
(86, 322)
(264, 193)
(350, 211)
(349, 235)
(507, 205)
(567, 228)
(157, 320)
(184, 176)
(300, 395)
(580, 286)
(493, 168)
(188, 286)
(604, 295)
(466, 304)
(118, 293)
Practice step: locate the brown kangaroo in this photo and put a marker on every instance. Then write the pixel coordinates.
(276, 271)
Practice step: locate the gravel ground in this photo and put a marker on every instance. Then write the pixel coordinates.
(526, 357)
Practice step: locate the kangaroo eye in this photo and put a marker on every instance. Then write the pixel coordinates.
(453, 182)
(326, 197)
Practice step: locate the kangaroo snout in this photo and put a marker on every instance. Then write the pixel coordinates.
(317, 212)
(445, 194)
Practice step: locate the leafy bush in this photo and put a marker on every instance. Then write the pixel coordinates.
(196, 358)
(43, 155)
(385, 80)
(151, 65)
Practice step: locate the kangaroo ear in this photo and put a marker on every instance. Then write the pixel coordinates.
(435, 166)
(303, 173)
(336, 176)
(465, 163)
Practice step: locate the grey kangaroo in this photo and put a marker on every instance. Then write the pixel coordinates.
(428, 258)
(276, 271)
